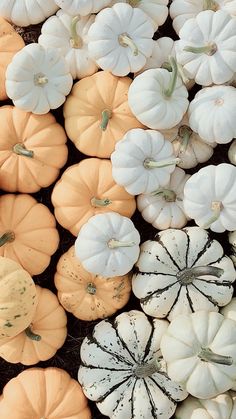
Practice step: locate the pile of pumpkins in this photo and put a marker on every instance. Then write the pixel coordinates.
(126, 108)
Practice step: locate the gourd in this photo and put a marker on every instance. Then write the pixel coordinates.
(108, 245)
(229, 312)
(32, 150)
(212, 204)
(182, 271)
(122, 369)
(204, 354)
(82, 7)
(69, 35)
(120, 39)
(232, 241)
(58, 396)
(44, 335)
(100, 104)
(232, 153)
(10, 44)
(87, 296)
(17, 298)
(38, 79)
(86, 189)
(27, 12)
(28, 232)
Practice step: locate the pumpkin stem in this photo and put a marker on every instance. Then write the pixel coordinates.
(75, 40)
(174, 73)
(167, 194)
(210, 5)
(22, 150)
(125, 41)
(113, 244)
(7, 237)
(153, 164)
(188, 275)
(184, 133)
(40, 79)
(207, 49)
(134, 3)
(216, 207)
(91, 288)
(207, 355)
(106, 115)
(142, 371)
(31, 335)
(167, 66)
(100, 202)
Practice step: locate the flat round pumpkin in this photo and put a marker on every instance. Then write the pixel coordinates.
(97, 114)
(28, 232)
(86, 189)
(32, 150)
(87, 296)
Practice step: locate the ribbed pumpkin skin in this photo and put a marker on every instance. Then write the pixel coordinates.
(49, 322)
(34, 227)
(74, 282)
(40, 134)
(10, 43)
(38, 393)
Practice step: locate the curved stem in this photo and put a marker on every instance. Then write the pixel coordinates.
(113, 244)
(207, 49)
(21, 150)
(207, 355)
(106, 115)
(142, 371)
(210, 5)
(75, 40)
(182, 74)
(100, 202)
(91, 288)
(31, 335)
(125, 41)
(216, 207)
(187, 275)
(167, 194)
(153, 164)
(7, 237)
(185, 133)
(134, 3)
(169, 91)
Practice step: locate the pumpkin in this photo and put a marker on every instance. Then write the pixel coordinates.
(122, 369)
(100, 104)
(182, 271)
(86, 189)
(69, 35)
(232, 241)
(49, 393)
(32, 150)
(108, 245)
(163, 208)
(44, 335)
(38, 79)
(200, 352)
(158, 98)
(120, 39)
(212, 204)
(229, 312)
(82, 7)
(87, 296)
(27, 12)
(232, 153)
(17, 298)
(217, 101)
(10, 44)
(143, 161)
(27, 232)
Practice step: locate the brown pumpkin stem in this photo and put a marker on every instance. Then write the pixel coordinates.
(106, 115)
(142, 371)
(7, 237)
(75, 40)
(167, 194)
(216, 207)
(125, 41)
(91, 288)
(153, 164)
(31, 335)
(210, 5)
(206, 49)
(207, 355)
(185, 133)
(113, 244)
(21, 150)
(100, 202)
(134, 3)
(188, 275)
(174, 73)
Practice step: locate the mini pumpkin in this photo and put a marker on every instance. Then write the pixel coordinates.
(27, 232)
(27, 12)
(82, 7)
(87, 296)
(232, 153)
(42, 337)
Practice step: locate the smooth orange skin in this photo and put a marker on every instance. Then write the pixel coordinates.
(83, 113)
(71, 280)
(49, 321)
(38, 393)
(80, 183)
(10, 44)
(38, 133)
(36, 236)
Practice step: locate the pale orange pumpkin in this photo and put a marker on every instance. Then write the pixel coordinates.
(32, 150)
(38, 393)
(28, 232)
(86, 189)
(87, 296)
(43, 337)
(97, 114)
(10, 44)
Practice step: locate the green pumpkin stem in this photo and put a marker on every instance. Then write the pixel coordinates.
(125, 41)
(208, 355)
(216, 207)
(184, 133)
(114, 244)
(174, 74)
(188, 275)
(31, 335)
(75, 40)
(210, 5)
(167, 194)
(207, 49)
(21, 150)
(145, 370)
(91, 288)
(100, 202)
(153, 164)
(7, 237)
(134, 3)
(106, 115)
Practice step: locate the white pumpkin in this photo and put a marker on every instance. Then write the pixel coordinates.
(229, 312)
(82, 7)
(27, 12)
(121, 39)
(163, 208)
(210, 197)
(188, 145)
(200, 352)
(182, 271)
(158, 98)
(212, 114)
(69, 35)
(142, 161)
(232, 153)
(122, 369)
(108, 245)
(38, 79)
(232, 241)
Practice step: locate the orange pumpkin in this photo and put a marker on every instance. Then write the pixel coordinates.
(27, 232)
(97, 114)
(38, 393)
(88, 296)
(43, 337)
(86, 189)
(32, 150)
(10, 44)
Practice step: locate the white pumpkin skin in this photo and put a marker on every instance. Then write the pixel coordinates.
(232, 240)
(232, 153)
(200, 351)
(57, 32)
(112, 372)
(82, 7)
(27, 12)
(229, 312)
(162, 49)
